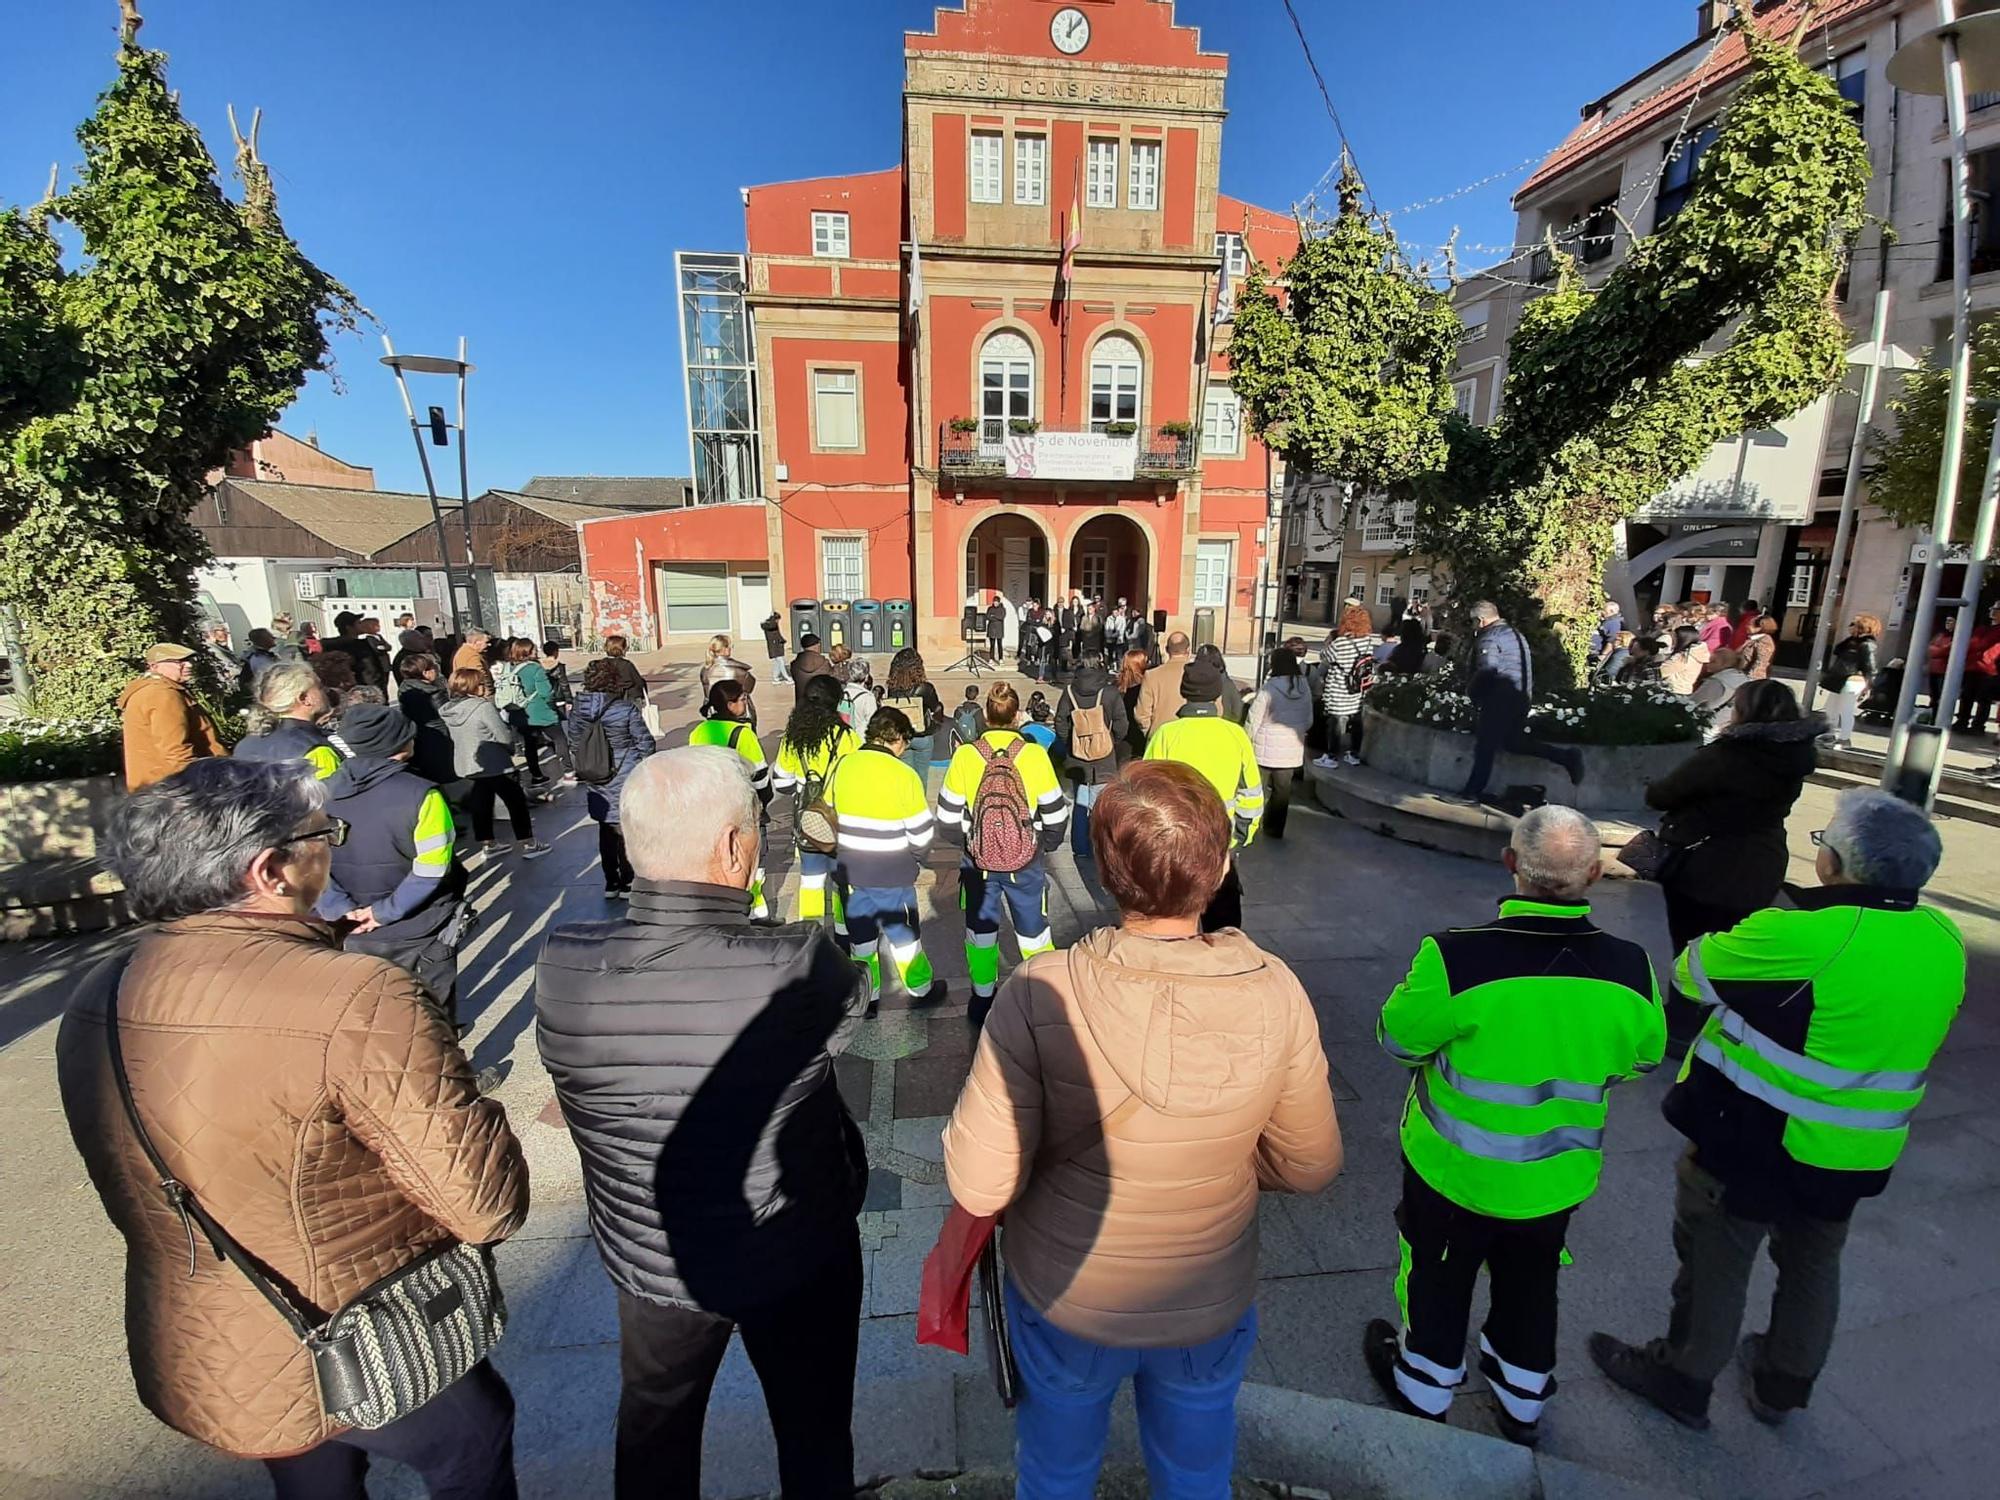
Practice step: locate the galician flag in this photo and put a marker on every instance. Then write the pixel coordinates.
(916, 279)
(1072, 239)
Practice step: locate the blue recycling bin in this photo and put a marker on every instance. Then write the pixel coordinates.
(901, 615)
(838, 618)
(868, 632)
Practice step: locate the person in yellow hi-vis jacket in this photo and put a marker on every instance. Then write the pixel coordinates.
(728, 725)
(1002, 797)
(885, 826)
(813, 743)
(1217, 746)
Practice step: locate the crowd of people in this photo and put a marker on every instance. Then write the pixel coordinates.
(1128, 1100)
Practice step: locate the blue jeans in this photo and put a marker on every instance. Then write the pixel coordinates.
(1186, 1399)
(1079, 818)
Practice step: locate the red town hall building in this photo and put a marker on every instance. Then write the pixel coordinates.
(932, 402)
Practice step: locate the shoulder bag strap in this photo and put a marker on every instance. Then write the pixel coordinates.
(178, 1197)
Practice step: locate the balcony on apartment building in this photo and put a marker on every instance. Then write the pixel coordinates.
(1100, 453)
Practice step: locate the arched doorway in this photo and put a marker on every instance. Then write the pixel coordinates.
(1007, 553)
(1110, 558)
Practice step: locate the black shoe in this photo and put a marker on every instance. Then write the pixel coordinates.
(1748, 1354)
(1512, 1428)
(977, 1012)
(1380, 1348)
(1649, 1378)
(933, 997)
(491, 1078)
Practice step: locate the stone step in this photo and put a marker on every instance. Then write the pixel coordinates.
(56, 897)
(1959, 797)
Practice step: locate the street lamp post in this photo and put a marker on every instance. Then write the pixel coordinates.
(1875, 356)
(405, 365)
(1960, 53)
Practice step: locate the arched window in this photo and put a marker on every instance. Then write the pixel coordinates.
(1116, 375)
(1006, 386)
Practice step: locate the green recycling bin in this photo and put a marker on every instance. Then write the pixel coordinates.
(902, 618)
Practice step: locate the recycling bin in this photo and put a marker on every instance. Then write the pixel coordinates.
(838, 618)
(868, 633)
(805, 620)
(902, 620)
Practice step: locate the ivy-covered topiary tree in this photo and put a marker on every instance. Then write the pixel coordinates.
(1612, 394)
(189, 327)
(1903, 479)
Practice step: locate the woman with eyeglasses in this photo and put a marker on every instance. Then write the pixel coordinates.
(309, 1100)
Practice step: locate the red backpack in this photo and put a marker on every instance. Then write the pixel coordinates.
(1001, 836)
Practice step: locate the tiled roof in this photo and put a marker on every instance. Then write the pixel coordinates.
(611, 492)
(567, 512)
(363, 522)
(1722, 65)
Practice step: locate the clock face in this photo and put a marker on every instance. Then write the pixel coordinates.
(1070, 30)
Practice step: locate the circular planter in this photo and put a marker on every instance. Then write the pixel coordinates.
(53, 819)
(1614, 777)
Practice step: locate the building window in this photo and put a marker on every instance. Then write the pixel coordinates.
(1031, 168)
(1145, 188)
(1386, 525)
(1420, 588)
(1102, 175)
(1006, 386)
(840, 560)
(1985, 224)
(1093, 572)
(1357, 584)
(1799, 593)
(1116, 372)
(1211, 574)
(1465, 394)
(830, 235)
(1235, 258)
(1472, 322)
(1222, 423)
(1849, 73)
(836, 409)
(1385, 589)
(1677, 173)
(986, 173)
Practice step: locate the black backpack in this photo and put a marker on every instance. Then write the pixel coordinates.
(595, 764)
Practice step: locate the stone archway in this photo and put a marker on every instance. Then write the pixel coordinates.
(1009, 552)
(1111, 556)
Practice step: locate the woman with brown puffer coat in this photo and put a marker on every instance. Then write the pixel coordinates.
(310, 1101)
(1129, 1100)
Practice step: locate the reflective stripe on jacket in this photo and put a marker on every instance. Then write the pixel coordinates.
(884, 819)
(1038, 779)
(1824, 1020)
(291, 739)
(1517, 1031)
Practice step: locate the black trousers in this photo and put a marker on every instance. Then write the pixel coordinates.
(803, 1347)
(479, 802)
(1278, 799)
(550, 739)
(1225, 908)
(517, 720)
(430, 955)
(461, 1444)
(611, 855)
(995, 647)
(1446, 1245)
(1503, 725)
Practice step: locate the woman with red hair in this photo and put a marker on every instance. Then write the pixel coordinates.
(1349, 659)
(1129, 1100)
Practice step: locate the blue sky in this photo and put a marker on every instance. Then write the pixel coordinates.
(521, 171)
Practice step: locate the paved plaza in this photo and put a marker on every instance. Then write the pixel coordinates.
(1905, 1408)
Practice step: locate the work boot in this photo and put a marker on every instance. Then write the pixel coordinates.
(1749, 1354)
(1380, 1348)
(1645, 1373)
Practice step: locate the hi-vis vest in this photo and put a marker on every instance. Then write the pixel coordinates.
(1517, 1031)
(1829, 1016)
(884, 819)
(737, 735)
(1220, 749)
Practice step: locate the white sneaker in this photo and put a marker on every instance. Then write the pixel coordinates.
(1326, 763)
(1350, 760)
(533, 849)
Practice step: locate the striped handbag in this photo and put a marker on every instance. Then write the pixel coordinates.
(391, 1349)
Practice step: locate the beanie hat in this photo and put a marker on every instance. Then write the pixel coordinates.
(376, 729)
(1201, 682)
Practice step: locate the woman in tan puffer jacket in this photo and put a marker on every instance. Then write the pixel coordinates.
(1129, 1099)
(309, 1100)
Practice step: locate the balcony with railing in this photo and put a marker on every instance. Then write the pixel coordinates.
(1101, 453)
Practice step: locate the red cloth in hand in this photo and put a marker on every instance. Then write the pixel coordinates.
(944, 1308)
